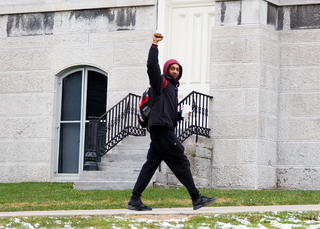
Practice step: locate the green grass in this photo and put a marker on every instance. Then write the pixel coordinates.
(240, 220)
(61, 196)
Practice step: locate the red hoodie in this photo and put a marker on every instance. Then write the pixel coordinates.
(166, 67)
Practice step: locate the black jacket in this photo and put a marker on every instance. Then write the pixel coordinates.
(165, 109)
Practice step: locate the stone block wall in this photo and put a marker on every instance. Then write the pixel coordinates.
(298, 144)
(264, 80)
(299, 132)
(36, 47)
(244, 113)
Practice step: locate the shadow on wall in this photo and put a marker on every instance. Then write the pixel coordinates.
(55, 23)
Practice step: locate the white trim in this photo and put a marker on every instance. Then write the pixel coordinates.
(190, 3)
(62, 5)
(84, 69)
(58, 123)
(293, 2)
(83, 119)
(285, 2)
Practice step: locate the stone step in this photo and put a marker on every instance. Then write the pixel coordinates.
(91, 180)
(119, 168)
(123, 157)
(109, 176)
(132, 144)
(103, 185)
(127, 162)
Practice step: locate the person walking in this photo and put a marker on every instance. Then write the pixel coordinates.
(164, 146)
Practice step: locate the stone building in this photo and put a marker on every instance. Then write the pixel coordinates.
(264, 80)
(63, 61)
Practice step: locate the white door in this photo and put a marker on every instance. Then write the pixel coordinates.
(187, 28)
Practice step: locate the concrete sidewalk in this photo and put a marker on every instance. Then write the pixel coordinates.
(165, 211)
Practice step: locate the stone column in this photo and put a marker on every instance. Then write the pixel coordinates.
(244, 82)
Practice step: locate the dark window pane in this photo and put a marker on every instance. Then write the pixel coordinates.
(71, 97)
(96, 94)
(69, 148)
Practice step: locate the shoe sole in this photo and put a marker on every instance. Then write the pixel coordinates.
(137, 209)
(202, 205)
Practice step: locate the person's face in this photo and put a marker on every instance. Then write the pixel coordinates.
(174, 70)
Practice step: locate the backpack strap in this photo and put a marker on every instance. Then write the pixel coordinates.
(163, 85)
(164, 82)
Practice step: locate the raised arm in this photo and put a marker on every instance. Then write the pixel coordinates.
(154, 71)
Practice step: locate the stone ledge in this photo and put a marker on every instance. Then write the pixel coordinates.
(36, 7)
(284, 2)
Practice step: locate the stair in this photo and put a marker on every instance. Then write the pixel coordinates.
(119, 168)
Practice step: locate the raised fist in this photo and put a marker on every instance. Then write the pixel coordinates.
(157, 37)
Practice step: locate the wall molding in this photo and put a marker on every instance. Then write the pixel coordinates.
(285, 2)
(293, 2)
(66, 5)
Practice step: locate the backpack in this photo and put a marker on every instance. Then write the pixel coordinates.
(146, 106)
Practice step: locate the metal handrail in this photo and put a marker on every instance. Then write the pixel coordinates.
(121, 120)
(198, 122)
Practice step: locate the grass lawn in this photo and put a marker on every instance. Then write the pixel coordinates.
(283, 220)
(61, 196)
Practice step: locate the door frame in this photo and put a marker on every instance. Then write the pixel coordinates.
(55, 159)
(166, 9)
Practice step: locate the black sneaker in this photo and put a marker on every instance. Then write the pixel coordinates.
(202, 201)
(137, 205)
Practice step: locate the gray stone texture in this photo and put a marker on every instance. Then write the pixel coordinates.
(304, 79)
(228, 13)
(264, 77)
(280, 65)
(14, 82)
(25, 172)
(234, 176)
(23, 6)
(298, 154)
(299, 136)
(234, 76)
(87, 21)
(234, 125)
(36, 48)
(306, 178)
(40, 149)
(267, 177)
(245, 64)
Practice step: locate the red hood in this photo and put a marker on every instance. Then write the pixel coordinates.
(168, 63)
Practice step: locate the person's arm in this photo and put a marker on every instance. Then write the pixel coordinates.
(154, 71)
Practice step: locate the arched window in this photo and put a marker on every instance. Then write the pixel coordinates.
(81, 93)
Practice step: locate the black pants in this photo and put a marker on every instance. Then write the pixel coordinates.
(165, 146)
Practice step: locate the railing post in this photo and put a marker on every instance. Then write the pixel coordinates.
(91, 154)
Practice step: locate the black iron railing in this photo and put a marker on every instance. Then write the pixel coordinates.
(198, 121)
(107, 131)
(121, 120)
